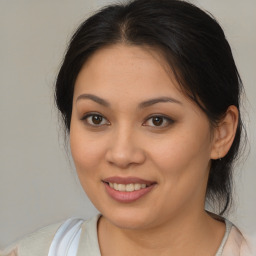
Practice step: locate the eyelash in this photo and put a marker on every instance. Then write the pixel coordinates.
(90, 115)
(166, 120)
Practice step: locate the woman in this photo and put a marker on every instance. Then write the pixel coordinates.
(149, 94)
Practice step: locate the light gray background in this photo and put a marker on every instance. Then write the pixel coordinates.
(38, 185)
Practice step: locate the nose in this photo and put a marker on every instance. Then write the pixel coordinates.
(124, 149)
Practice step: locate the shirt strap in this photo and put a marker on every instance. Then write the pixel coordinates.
(66, 239)
(225, 238)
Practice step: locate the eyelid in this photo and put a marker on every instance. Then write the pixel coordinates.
(166, 118)
(90, 114)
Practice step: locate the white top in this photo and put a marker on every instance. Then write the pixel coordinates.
(76, 236)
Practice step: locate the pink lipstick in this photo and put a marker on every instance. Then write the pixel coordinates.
(127, 190)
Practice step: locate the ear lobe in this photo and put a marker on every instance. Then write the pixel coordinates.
(224, 133)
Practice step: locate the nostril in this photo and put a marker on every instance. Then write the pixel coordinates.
(125, 157)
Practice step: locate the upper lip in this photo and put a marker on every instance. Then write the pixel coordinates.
(128, 180)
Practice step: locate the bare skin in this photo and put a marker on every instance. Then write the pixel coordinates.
(120, 128)
(173, 239)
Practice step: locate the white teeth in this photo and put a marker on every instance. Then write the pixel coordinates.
(137, 186)
(121, 187)
(127, 187)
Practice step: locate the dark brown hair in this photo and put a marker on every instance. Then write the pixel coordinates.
(195, 47)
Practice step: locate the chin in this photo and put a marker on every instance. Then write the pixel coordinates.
(130, 219)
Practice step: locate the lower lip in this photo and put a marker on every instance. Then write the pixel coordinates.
(127, 197)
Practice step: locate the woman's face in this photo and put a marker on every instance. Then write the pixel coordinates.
(142, 150)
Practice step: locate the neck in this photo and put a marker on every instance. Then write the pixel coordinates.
(189, 234)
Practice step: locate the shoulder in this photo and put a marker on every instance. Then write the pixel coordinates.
(89, 238)
(58, 239)
(236, 244)
(36, 243)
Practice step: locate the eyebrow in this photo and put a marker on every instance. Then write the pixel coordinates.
(143, 104)
(94, 98)
(151, 102)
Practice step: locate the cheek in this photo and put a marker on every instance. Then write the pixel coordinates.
(186, 152)
(183, 165)
(87, 156)
(86, 151)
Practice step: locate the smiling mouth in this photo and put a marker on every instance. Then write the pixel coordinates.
(127, 193)
(127, 187)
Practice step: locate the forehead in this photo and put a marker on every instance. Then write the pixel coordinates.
(126, 76)
(126, 69)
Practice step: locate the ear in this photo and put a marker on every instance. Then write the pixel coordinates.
(224, 133)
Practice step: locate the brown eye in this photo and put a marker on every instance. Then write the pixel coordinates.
(95, 120)
(158, 121)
